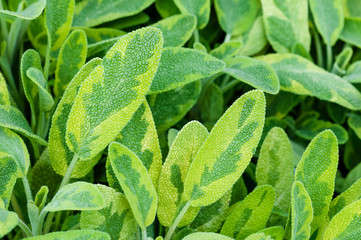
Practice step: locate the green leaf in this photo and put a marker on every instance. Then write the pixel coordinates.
(329, 19)
(300, 76)
(354, 121)
(105, 11)
(353, 74)
(58, 20)
(211, 104)
(172, 134)
(8, 175)
(259, 236)
(95, 35)
(236, 134)
(177, 30)
(116, 218)
(71, 58)
(226, 50)
(180, 66)
(277, 232)
(174, 172)
(37, 34)
(59, 152)
(302, 212)
(166, 8)
(73, 235)
(170, 107)
(201, 9)
(254, 72)
(41, 197)
(76, 196)
(281, 104)
(346, 224)
(319, 182)
(235, 17)
(99, 113)
(251, 214)
(8, 221)
(351, 32)
(5, 98)
(136, 183)
(343, 59)
(29, 13)
(351, 8)
(352, 177)
(206, 236)
(286, 23)
(275, 168)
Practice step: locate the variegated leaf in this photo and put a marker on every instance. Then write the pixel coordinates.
(115, 218)
(302, 212)
(71, 58)
(319, 182)
(174, 172)
(235, 138)
(37, 35)
(329, 19)
(99, 112)
(180, 66)
(76, 196)
(135, 182)
(226, 50)
(259, 236)
(200, 8)
(166, 8)
(206, 236)
(5, 98)
(254, 72)
(8, 175)
(251, 214)
(30, 12)
(286, 23)
(300, 76)
(177, 29)
(8, 221)
(73, 235)
(276, 232)
(351, 9)
(275, 168)
(235, 16)
(351, 31)
(59, 152)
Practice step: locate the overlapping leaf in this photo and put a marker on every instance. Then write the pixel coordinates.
(206, 236)
(201, 9)
(8, 221)
(4, 92)
(73, 235)
(8, 175)
(30, 12)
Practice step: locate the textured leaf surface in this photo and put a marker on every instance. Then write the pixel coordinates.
(235, 138)
(259, 236)
(302, 212)
(353, 74)
(346, 224)
(105, 11)
(328, 16)
(8, 175)
(177, 29)
(174, 172)
(234, 16)
(201, 9)
(251, 214)
(300, 76)
(99, 112)
(30, 12)
(73, 235)
(59, 152)
(254, 72)
(351, 32)
(286, 23)
(254, 40)
(76, 196)
(226, 50)
(180, 66)
(8, 221)
(206, 236)
(276, 232)
(136, 183)
(115, 218)
(4, 92)
(71, 58)
(319, 182)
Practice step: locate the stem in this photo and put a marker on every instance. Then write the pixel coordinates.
(144, 234)
(17, 209)
(39, 223)
(227, 38)
(230, 85)
(329, 57)
(47, 61)
(177, 220)
(25, 228)
(196, 35)
(318, 49)
(27, 189)
(36, 149)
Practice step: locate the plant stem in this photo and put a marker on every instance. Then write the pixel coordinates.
(230, 85)
(47, 61)
(227, 38)
(27, 189)
(144, 234)
(318, 49)
(25, 228)
(36, 149)
(177, 220)
(329, 57)
(39, 223)
(17, 209)
(196, 35)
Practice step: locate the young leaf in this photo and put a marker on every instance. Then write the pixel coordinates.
(8, 175)
(115, 218)
(251, 214)
(206, 236)
(235, 17)
(41, 197)
(275, 167)
(71, 58)
(286, 23)
(237, 134)
(99, 113)
(180, 66)
(256, 73)
(300, 76)
(59, 152)
(5, 98)
(328, 18)
(76, 196)
(201, 9)
(319, 182)
(105, 11)
(73, 235)
(8, 221)
(277, 232)
(346, 223)
(174, 172)
(177, 29)
(302, 212)
(353, 74)
(226, 50)
(136, 183)
(351, 31)
(30, 12)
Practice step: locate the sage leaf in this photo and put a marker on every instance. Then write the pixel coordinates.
(201, 9)
(8, 176)
(31, 12)
(166, 8)
(206, 236)
(353, 73)
(351, 31)
(73, 235)
(5, 98)
(8, 221)
(226, 50)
